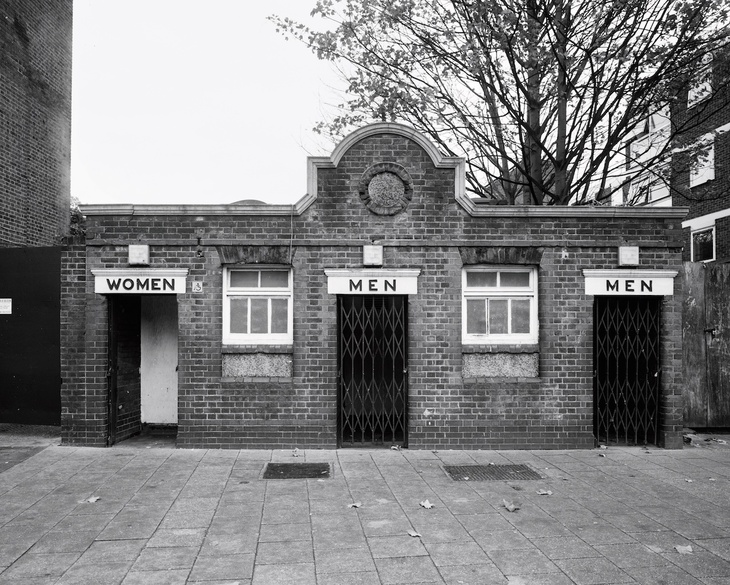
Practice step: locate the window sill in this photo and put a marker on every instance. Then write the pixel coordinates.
(238, 349)
(236, 381)
(506, 348)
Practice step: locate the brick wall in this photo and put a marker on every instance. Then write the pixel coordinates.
(722, 239)
(433, 234)
(35, 121)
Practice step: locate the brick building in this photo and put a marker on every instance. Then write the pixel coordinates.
(384, 308)
(35, 121)
(35, 145)
(704, 185)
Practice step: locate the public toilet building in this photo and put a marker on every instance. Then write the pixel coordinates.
(384, 308)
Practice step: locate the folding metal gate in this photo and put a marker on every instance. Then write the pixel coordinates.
(626, 363)
(373, 388)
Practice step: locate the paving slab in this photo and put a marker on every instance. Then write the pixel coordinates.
(130, 515)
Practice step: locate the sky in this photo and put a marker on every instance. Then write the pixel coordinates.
(182, 102)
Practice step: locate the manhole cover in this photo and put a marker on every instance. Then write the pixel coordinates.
(490, 472)
(296, 471)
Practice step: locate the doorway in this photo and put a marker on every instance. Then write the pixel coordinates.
(373, 372)
(626, 370)
(142, 374)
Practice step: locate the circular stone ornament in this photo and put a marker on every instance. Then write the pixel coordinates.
(386, 188)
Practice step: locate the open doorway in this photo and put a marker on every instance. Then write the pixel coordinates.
(143, 385)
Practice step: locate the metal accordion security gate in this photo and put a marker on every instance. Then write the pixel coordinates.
(626, 369)
(373, 372)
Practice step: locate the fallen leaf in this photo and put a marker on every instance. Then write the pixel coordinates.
(413, 533)
(511, 506)
(426, 504)
(544, 493)
(683, 550)
(92, 499)
(354, 505)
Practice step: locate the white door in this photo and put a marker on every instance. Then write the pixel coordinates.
(159, 359)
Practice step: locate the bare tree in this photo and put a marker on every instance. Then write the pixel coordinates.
(539, 96)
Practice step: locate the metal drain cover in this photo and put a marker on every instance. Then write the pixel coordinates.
(490, 472)
(296, 471)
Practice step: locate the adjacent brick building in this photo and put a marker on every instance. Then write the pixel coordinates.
(35, 121)
(384, 308)
(704, 185)
(35, 145)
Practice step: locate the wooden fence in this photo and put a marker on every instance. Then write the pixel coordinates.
(706, 343)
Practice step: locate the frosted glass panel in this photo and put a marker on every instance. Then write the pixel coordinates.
(498, 317)
(476, 317)
(481, 279)
(239, 315)
(259, 315)
(521, 316)
(245, 278)
(279, 315)
(274, 278)
(514, 279)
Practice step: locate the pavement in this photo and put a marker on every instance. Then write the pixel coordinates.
(149, 514)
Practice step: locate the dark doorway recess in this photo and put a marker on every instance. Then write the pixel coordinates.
(124, 367)
(626, 370)
(373, 380)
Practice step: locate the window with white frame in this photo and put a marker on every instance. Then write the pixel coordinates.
(499, 305)
(703, 170)
(703, 245)
(257, 305)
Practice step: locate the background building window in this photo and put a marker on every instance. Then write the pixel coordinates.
(257, 306)
(704, 168)
(499, 305)
(703, 245)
